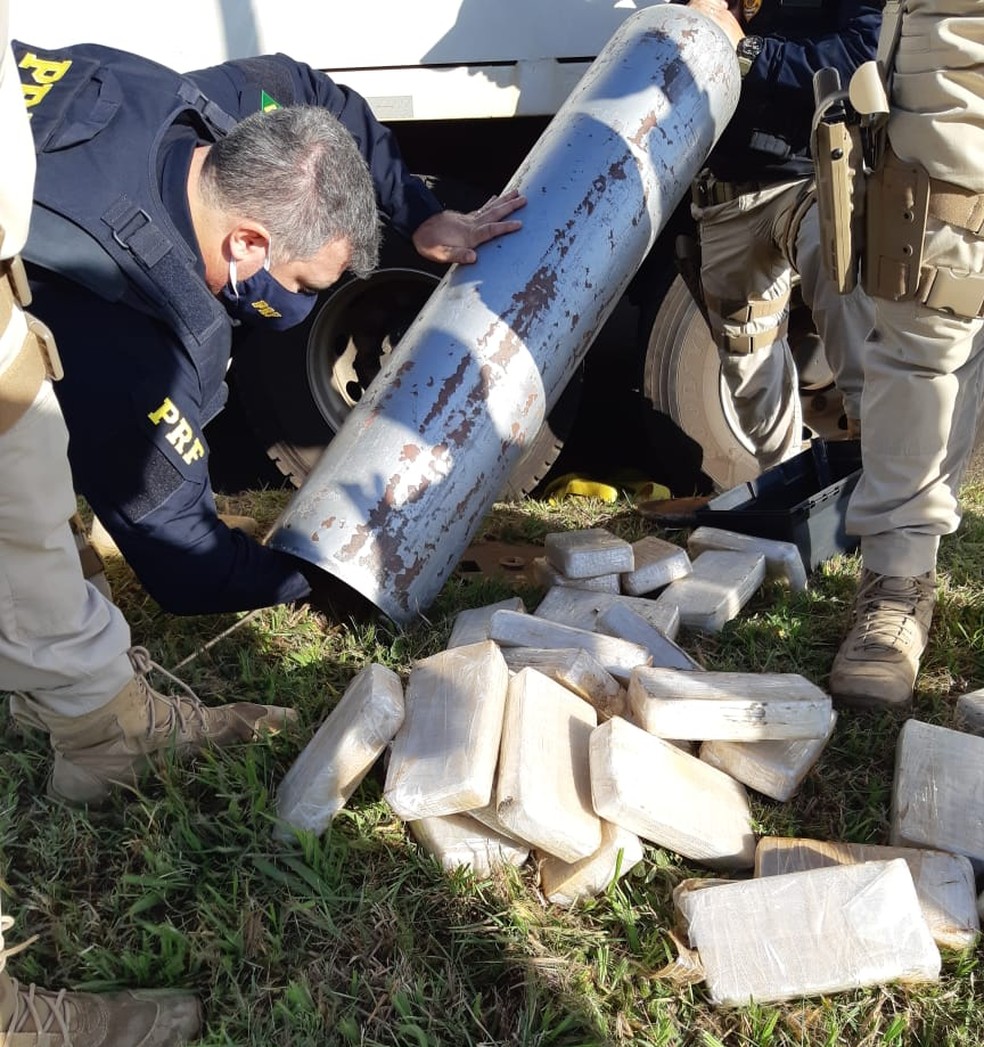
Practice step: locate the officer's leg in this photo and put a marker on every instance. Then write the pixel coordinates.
(63, 646)
(746, 285)
(922, 390)
(58, 637)
(842, 321)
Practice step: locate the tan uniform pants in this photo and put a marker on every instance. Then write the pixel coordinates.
(923, 369)
(923, 384)
(750, 249)
(60, 639)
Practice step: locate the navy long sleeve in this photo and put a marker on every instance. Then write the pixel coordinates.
(768, 138)
(135, 401)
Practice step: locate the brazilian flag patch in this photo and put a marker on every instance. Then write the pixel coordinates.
(267, 104)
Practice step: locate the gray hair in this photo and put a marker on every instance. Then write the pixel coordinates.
(299, 172)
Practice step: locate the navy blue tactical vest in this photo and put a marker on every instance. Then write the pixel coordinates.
(98, 116)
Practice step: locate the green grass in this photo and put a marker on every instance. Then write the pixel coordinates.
(359, 938)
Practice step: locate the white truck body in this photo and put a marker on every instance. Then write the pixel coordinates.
(467, 86)
(435, 60)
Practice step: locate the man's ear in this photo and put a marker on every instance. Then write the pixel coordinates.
(248, 242)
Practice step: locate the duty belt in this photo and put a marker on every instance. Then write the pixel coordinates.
(708, 190)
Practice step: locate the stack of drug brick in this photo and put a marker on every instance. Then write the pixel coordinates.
(839, 916)
(538, 732)
(582, 730)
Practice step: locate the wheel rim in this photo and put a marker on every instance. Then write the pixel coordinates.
(355, 330)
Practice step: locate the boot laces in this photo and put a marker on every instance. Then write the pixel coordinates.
(888, 614)
(180, 711)
(27, 1016)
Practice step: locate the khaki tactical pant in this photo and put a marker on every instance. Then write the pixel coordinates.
(923, 385)
(60, 639)
(751, 246)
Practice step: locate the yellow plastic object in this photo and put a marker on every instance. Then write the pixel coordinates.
(635, 486)
(649, 491)
(570, 485)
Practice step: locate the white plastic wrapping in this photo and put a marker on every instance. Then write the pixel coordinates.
(807, 933)
(331, 766)
(938, 792)
(457, 841)
(661, 793)
(739, 707)
(574, 607)
(472, 625)
(720, 585)
(657, 563)
(782, 559)
(444, 756)
(775, 769)
(944, 882)
(543, 791)
(545, 574)
(576, 670)
(588, 553)
(618, 619)
(619, 657)
(969, 712)
(565, 883)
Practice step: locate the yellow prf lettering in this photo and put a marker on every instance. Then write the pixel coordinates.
(44, 73)
(265, 309)
(166, 413)
(180, 436)
(34, 93)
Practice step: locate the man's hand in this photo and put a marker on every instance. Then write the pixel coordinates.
(718, 11)
(451, 236)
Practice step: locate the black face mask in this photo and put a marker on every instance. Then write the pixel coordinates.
(262, 301)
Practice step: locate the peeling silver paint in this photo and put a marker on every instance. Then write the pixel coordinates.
(407, 481)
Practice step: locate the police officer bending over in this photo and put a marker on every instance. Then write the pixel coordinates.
(756, 209)
(167, 208)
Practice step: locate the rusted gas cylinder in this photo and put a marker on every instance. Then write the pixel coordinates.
(406, 482)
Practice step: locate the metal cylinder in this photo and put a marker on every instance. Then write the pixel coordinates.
(406, 482)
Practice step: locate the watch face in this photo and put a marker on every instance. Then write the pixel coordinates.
(749, 46)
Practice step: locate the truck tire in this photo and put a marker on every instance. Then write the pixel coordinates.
(296, 388)
(682, 381)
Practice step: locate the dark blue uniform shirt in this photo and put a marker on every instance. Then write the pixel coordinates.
(768, 138)
(135, 402)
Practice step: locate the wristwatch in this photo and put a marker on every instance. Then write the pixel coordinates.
(748, 49)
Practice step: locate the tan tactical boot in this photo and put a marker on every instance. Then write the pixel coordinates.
(118, 742)
(32, 1017)
(877, 663)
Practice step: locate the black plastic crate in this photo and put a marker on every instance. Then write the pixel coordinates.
(803, 500)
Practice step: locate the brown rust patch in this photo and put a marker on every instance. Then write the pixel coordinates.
(509, 347)
(447, 391)
(649, 121)
(534, 298)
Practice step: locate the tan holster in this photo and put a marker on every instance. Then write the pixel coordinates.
(901, 196)
(37, 358)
